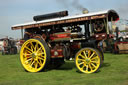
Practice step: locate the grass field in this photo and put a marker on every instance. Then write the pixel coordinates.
(113, 72)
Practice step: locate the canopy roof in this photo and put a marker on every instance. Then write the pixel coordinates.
(69, 19)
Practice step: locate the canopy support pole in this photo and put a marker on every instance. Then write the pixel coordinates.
(90, 27)
(112, 24)
(107, 25)
(22, 34)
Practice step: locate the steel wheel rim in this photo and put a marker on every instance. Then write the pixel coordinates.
(33, 55)
(87, 60)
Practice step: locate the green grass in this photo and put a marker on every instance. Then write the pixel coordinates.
(113, 72)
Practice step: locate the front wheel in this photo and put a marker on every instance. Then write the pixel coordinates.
(34, 55)
(88, 60)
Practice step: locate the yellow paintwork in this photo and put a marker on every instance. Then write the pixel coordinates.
(33, 55)
(87, 60)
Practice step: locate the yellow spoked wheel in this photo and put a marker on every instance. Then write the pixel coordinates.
(88, 60)
(34, 55)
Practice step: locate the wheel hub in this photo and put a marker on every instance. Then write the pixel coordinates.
(33, 55)
(87, 60)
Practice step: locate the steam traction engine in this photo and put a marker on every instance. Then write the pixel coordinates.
(9, 46)
(52, 38)
(118, 44)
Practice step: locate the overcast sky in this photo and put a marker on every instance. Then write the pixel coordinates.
(20, 11)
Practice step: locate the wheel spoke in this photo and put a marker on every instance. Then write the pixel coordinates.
(40, 58)
(95, 62)
(32, 62)
(32, 48)
(83, 66)
(28, 49)
(93, 65)
(36, 46)
(81, 60)
(94, 58)
(27, 57)
(86, 67)
(36, 64)
(85, 54)
(40, 53)
(90, 67)
(32, 45)
(27, 54)
(38, 50)
(30, 67)
(39, 62)
(82, 56)
(28, 60)
(81, 63)
(89, 53)
(92, 55)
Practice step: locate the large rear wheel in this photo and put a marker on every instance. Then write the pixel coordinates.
(88, 60)
(34, 55)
